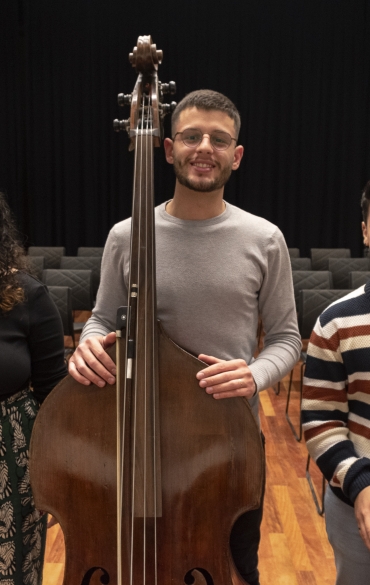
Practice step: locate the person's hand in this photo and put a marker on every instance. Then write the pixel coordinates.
(226, 378)
(362, 513)
(90, 363)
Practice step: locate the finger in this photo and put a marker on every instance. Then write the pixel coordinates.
(222, 378)
(109, 340)
(73, 371)
(365, 538)
(91, 363)
(93, 370)
(236, 387)
(246, 392)
(218, 368)
(364, 528)
(223, 372)
(209, 359)
(95, 356)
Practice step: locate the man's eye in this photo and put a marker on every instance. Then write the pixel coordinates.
(192, 137)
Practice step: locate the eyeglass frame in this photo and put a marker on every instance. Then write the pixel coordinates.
(206, 134)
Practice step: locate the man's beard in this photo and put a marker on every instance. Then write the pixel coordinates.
(201, 185)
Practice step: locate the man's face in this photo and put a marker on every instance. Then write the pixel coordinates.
(203, 168)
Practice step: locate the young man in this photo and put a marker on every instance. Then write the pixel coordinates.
(336, 422)
(218, 268)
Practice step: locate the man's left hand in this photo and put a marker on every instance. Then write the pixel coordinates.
(226, 378)
(362, 513)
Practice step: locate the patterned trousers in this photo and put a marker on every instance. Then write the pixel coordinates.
(22, 527)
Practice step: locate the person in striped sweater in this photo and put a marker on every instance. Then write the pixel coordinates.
(336, 422)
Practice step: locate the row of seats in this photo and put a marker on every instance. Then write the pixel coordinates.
(343, 277)
(53, 254)
(68, 263)
(307, 263)
(318, 256)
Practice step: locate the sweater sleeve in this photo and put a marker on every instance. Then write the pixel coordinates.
(46, 343)
(325, 415)
(112, 291)
(282, 341)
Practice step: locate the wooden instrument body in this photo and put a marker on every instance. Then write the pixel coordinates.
(211, 469)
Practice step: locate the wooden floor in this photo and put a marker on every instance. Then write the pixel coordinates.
(294, 548)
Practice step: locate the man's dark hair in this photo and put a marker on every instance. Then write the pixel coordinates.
(206, 99)
(365, 202)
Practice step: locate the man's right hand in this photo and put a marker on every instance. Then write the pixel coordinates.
(90, 363)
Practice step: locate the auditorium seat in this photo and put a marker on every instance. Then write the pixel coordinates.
(52, 254)
(320, 256)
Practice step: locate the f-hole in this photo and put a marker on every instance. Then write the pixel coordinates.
(104, 579)
(198, 576)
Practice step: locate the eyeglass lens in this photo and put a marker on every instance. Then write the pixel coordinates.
(219, 139)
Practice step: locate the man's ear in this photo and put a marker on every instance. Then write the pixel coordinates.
(365, 233)
(238, 155)
(168, 150)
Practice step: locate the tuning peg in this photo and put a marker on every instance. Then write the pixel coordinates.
(168, 108)
(121, 125)
(168, 88)
(124, 99)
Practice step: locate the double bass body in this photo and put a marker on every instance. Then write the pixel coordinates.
(211, 472)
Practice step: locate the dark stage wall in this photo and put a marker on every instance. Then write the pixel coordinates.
(297, 69)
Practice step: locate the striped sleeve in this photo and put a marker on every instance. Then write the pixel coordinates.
(326, 415)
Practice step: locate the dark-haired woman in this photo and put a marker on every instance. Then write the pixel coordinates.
(31, 364)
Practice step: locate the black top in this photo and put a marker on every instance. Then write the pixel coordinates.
(31, 343)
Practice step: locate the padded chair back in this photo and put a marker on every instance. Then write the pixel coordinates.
(311, 304)
(357, 279)
(52, 254)
(301, 263)
(320, 256)
(310, 279)
(341, 267)
(294, 252)
(80, 283)
(37, 265)
(92, 263)
(90, 251)
(62, 297)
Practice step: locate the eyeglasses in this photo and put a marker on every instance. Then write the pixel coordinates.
(219, 140)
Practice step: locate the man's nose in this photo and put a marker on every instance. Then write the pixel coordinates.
(205, 144)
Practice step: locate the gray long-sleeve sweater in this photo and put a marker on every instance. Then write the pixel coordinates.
(214, 277)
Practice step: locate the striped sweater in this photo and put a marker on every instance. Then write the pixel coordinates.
(336, 394)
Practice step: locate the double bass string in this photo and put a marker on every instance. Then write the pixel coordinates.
(138, 198)
(145, 131)
(154, 364)
(149, 306)
(150, 263)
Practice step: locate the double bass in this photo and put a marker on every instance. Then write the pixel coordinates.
(148, 476)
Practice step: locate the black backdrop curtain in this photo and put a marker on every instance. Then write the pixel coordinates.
(298, 71)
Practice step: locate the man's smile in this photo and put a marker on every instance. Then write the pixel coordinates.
(202, 166)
